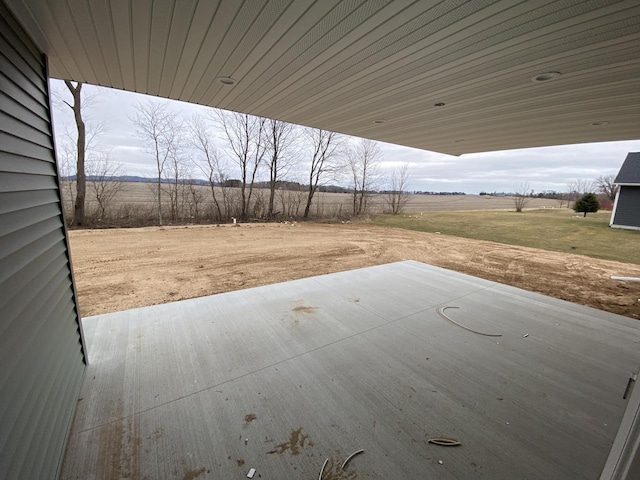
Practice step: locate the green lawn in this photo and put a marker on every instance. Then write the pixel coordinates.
(558, 230)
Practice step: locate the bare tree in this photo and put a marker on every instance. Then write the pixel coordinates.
(324, 146)
(66, 159)
(578, 187)
(194, 199)
(159, 128)
(398, 195)
(175, 184)
(209, 163)
(363, 160)
(605, 185)
(280, 139)
(102, 184)
(521, 198)
(244, 135)
(73, 148)
(291, 199)
(81, 182)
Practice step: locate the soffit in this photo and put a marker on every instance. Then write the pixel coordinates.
(343, 64)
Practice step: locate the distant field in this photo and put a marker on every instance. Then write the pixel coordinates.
(559, 230)
(142, 196)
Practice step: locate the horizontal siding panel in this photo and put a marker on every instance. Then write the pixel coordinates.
(13, 71)
(34, 276)
(16, 201)
(11, 54)
(23, 47)
(43, 439)
(628, 207)
(28, 332)
(18, 35)
(16, 127)
(13, 91)
(19, 182)
(24, 146)
(68, 380)
(40, 347)
(10, 265)
(38, 333)
(11, 107)
(12, 163)
(29, 225)
(35, 382)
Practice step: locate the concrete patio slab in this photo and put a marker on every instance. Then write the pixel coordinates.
(280, 378)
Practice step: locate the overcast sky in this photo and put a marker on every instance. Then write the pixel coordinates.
(545, 168)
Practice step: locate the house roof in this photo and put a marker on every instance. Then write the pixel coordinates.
(379, 69)
(630, 171)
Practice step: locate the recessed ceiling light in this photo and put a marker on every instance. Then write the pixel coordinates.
(599, 124)
(226, 80)
(379, 121)
(439, 104)
(545, 77)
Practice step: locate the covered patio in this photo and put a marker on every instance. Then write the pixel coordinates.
(331, 364)
(280, 378)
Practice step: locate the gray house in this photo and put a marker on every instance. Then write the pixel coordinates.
(449, 76)
(626, 208)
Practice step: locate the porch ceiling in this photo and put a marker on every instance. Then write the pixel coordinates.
(345, 64)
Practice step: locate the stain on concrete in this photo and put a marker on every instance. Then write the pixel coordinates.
(304, 309)
(120, 445)
(192, 474)
(296, 442)
(248, 418)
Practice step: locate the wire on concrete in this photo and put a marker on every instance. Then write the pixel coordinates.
(445, 442)
(441, 310)
(322, 469)
(350, 457)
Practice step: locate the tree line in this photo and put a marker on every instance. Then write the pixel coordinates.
(581, 194)
(237, 156)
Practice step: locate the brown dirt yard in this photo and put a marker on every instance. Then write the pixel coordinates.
(120, 269)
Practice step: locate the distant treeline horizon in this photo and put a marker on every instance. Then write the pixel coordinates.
(235, 183)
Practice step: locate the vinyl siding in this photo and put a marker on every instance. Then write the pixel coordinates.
(628, 207)
(40, 339)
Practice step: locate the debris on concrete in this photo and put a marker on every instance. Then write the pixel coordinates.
(444, 442)
(440, 462)
(350, 457)
(251, 473)
(441, 310)
(322, 469)
(525, 335)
